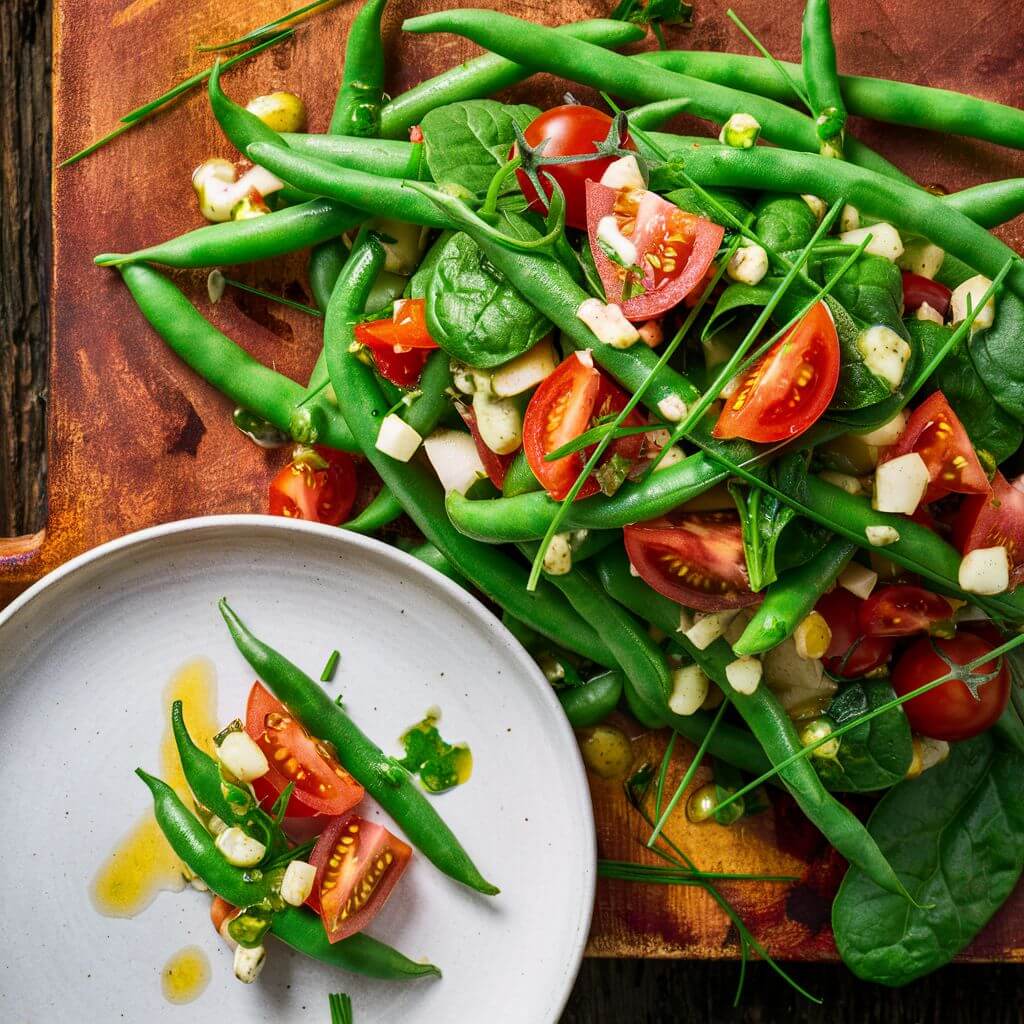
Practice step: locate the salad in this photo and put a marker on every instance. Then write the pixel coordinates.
(727, 426)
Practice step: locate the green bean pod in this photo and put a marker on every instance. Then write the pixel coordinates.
(383, 509)
(767, 721)
(519, 479)
(490, 570)
(822, 78)
(593, 702)
(791, 598)
(990, 204)
(917, 106)
(543, 49)
(429, 555)
(357, 108)
(486, 75)
(218, 360)
(246, 241)
(388, 158)
(391, 785)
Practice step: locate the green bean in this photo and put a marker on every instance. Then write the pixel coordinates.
(383, 509)
(822, 78)
(245, 241)
(491, 571)
(218, 360)
(916, 106)
(357, 109)
(791, 598)
(486, 75)
(767, 721)
(519, 479)
(545, 50)
(429, 555)
(592, 702)
(390, 158)
(991, 204)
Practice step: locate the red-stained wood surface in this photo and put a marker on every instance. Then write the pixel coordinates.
(136, 439)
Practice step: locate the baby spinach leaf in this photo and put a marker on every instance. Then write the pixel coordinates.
(692, 201)
(955, 836)
(417, 286)
(987, 424)
(465, 143)
(875, 755)
(473, 313)
(997, 355)
(784, 223)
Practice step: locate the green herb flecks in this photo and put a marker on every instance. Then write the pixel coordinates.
(341, 1008)
(440, 765)
(332, 663)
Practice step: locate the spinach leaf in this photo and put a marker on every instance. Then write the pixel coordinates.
(875, 755)
(784, 222)
(465, 143)
(692, 201)
(955, 836)
(473, 313)
(987, 424)
(997, 355)
(417, 286)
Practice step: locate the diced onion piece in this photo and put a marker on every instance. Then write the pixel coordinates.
(921, 257)
(748, 265)
(239, 849)
(843, 481)
(689, 690)
(672, 408)
(401, 254)
(455, 459)
(985, 571)
(888, 433)
(623, 173)
(221, 190)
(651, 333)
(397, 439)
(925, 312)
(900, 484)
(525, 371)
(881, 536)
(885, 353)
(297, 883)
(744, 674)
(672, 457)
(622, 247)
(818, 206)
(242, 757)
(706, 629)
(215, 285)
(849, 218)
(966, 298)
(933, 752)
(558, 556)
(812, 637)
(499, 421)
(885, 240)
(858, 580)
(608, 323)
(249, 963)
(740, 131)
(818, 730)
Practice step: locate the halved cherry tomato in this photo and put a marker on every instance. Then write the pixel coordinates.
(917, 290)
(674, 249)
(569, 130)
(988, 520)
(357, 865)
(295, 756)
(495, 465)
(566, 404)
(220, 912)
(322, 494)
(902, 610)
(693, 558)
(851, 653)
(787, 389)
(400, 346)
(950, 711)
(937, 435)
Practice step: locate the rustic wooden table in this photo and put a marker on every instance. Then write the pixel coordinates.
(608, 990)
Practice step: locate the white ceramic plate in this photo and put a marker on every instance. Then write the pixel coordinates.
(84, 658)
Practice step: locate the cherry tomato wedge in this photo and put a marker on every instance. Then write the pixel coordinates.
(935, 432)
(693, 558)
(950, 711)
(786, 390)
(400, 346)
(918, 290)
(495, 465)
(988, 520)
(674, 249)
(567, 404)
(569, 130)
(321, 784)
(357, 865)
(851, 653)
(903, 610)
(319, 493)
(220, 913)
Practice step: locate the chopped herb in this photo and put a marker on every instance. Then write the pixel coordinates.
(341, 1008)
(332, 663)
(440, 765)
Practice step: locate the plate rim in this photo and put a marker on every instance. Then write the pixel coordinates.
(452, 590)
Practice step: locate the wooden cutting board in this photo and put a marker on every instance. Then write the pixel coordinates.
(135, 439)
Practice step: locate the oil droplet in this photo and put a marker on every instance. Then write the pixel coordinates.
(143, 864)
(439, 764)
(606, 751)
(185, 975)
